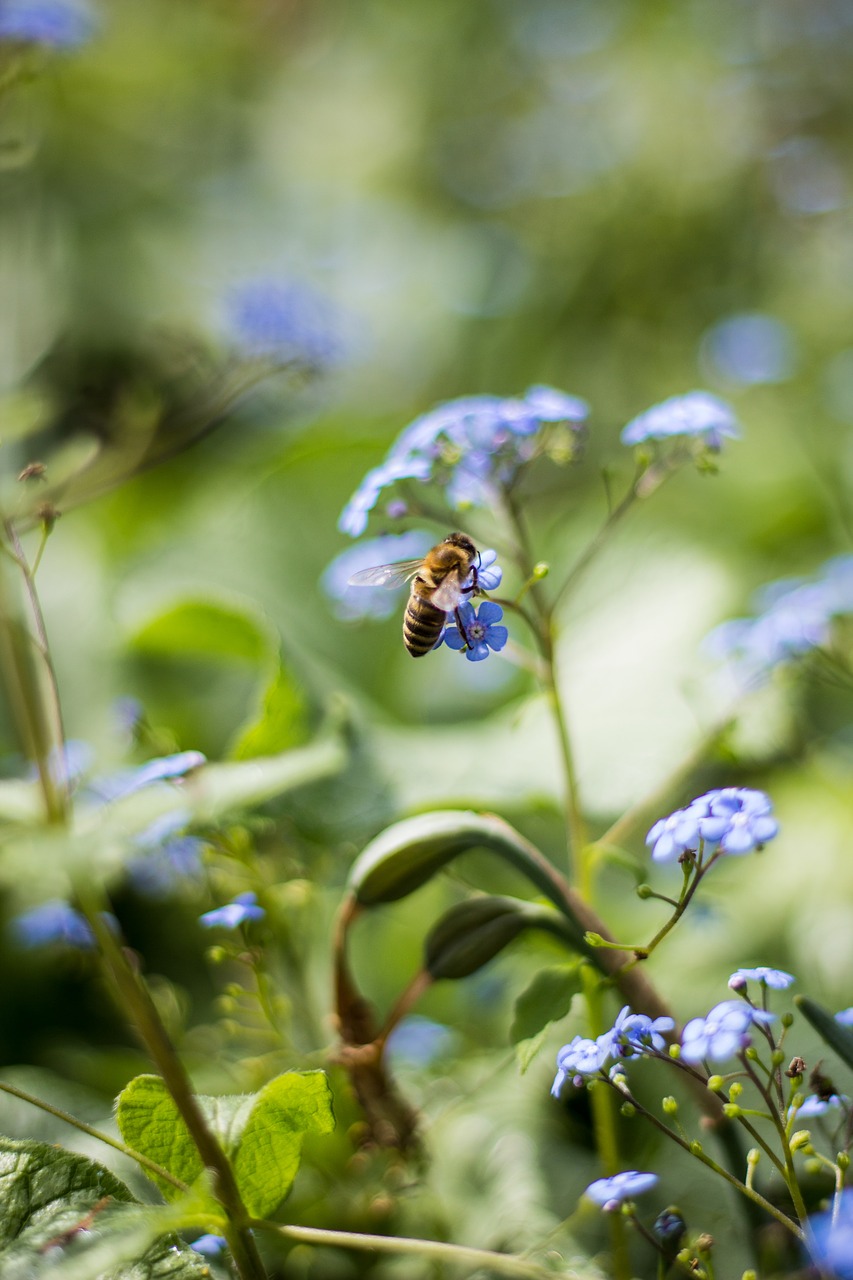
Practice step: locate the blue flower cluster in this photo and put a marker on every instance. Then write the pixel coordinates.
(698, 414)
(282, 322)
(721, 1033)
(793, 617)
(733, 820)
(57, 24)
(632, 1035)
(473, 447)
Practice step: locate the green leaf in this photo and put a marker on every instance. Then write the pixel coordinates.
(838, 1037)
(65, 1213)
(267, 1158)
(472, 933)
(208, 628)
(261, 1133)
(234, 631)
(546, 1000)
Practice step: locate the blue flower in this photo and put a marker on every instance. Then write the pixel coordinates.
(738, 820)
(473, 446)
(845, 1017)
(609, 1193)
(670, 837)
(634, 1034)
(778, 979)
(165, 858)
(830, 1237)
(581, 1057)
(698, 414)
(240, 911)
(53, 921)
(370, 602)
(59, 24)
(284, 322)
(161, 769)
(211, 1246)
(419, 1041)
(480, 631)
(722, 1033)
(750, 349)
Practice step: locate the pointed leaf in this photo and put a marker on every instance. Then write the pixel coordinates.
(151, 1124)
(267, 1159)
(547, 999)
(838, 1037)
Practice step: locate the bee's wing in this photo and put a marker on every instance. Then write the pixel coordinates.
(386, 575)
(451, 592)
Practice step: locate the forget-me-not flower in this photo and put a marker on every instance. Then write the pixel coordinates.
(814, 1105)
(282, 321)
(57, 24)
(210, 1245)
(739, 819)
(481, 631)
(580, 1057)
(722, 1032)
(777, 979)
(698, 414)
(53, 922)
(634, 1034)
(472, 447)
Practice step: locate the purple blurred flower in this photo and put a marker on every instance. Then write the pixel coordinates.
(815, 1106)
(830, 1236)
(845, 1017)
(165, 858)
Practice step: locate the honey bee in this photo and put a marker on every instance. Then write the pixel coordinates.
(440, 583)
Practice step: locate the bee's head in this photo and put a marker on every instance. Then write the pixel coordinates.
(463, 542)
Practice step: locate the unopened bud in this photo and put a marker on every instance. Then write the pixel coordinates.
(628, 1110)
(732, 1110)
(777, 1057)
(737, 982)
(696, 1148)
(753, 1156)
(541, 570)
(644, 891)
(749, 1275)
(801, 1140)
(787, 1019)
(670, 1106)
(736, 1090)
(843, 1161)
(715, 1083)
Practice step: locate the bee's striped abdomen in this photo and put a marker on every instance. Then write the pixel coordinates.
(422, 624)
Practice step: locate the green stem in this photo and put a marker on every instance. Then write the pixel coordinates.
(136, 1002)
(603, 1104)
(462, 1255)
(67, 1118)
(788, 1155)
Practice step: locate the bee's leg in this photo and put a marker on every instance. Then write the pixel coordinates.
(462, 630)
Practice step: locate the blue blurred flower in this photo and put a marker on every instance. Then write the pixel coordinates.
(722, 1032)
(815, 1106)
(419, 1041)
(473, 447)
(240, 911)
(634, 1034)
(165, 858)
(792, 617)
(284, 322)
(480, 631)
(845, 1017)
(738, 820)
(371, 602)
(161, 769)
(698, 414)
(211, 1246)
(750, 349)
(59, 24)
(830, 1236)
(54, 921)
(777, 979)
(609, 1193)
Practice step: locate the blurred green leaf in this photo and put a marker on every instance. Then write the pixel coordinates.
(66, 1213)
(261, 1133)
(838, 1037)
(234, 632)
(546, 1000)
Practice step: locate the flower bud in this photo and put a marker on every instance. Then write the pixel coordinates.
(812, 1167)
(669, 1228)
(644, 891)
(628, 1110)
(843, 1161)
(753, 1156)
(749, 1275)
(737, 982)
(736, 1090)
(801, 1140)
(670, 1106)
(704, 1243)
(777, 1057)
(541, 570)
(732, 1110)
(715, 1083)
(787, 1020)
(696, 1148)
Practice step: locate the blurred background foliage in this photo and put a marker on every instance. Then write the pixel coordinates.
(622, 199)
